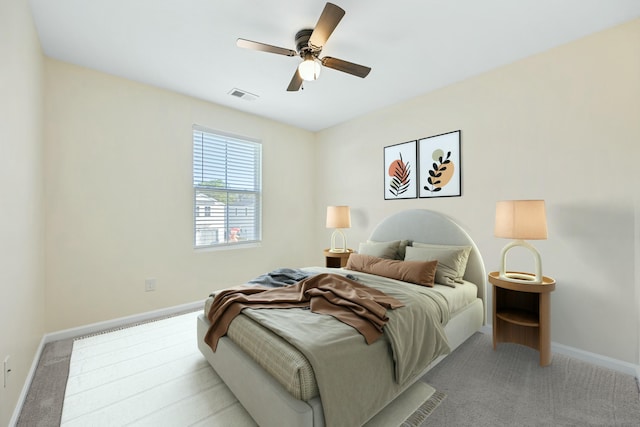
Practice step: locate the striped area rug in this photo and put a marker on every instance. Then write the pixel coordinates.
(153, 374)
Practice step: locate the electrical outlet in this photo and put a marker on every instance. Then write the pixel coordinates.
(6, 369)
(150, 285)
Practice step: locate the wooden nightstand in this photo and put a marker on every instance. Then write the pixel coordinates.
(522, 314)
(336, 259)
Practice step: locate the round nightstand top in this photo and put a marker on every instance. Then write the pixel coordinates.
(327, 252)
(548, 284)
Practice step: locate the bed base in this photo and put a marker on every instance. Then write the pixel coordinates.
(269, 404)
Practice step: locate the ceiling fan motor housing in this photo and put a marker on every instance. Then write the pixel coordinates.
(302, 41)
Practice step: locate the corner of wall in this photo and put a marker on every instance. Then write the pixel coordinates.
(21, 220)
(637, 270)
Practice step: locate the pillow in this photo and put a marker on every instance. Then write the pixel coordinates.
(452, 260)
(387, 250)
(417, 272)
(402, 244)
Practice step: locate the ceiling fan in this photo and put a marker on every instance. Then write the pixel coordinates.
(309, 44)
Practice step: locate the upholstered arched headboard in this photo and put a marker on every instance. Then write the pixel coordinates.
(426, 226)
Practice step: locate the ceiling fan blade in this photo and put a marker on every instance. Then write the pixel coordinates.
(263, 47)
(328, 21)
(346, 66)
(296, 82)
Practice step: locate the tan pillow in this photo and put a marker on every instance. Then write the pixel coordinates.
(417, 272)
(452, 260)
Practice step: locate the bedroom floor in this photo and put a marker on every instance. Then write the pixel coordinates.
(476, 379)
(153, 374)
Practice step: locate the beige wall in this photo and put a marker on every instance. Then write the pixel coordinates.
(119, 197)
(562, 126)
(21, 198)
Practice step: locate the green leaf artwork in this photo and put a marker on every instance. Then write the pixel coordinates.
(441, 171)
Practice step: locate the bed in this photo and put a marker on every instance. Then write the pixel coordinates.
(285, 393)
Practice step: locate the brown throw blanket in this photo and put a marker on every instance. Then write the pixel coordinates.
(357, 305)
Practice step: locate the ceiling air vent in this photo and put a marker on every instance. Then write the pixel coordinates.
(242, 94)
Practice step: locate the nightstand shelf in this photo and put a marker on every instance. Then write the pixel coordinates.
(519, 317)
(336, 259)
(522, 314)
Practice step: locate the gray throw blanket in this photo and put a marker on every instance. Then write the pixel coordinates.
(281, 277)
(278, 278)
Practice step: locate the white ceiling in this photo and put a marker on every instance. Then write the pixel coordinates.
(412, 46)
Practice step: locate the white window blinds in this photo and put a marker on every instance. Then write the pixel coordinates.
(226, 189)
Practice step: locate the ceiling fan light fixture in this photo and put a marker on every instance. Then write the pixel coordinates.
(309, 69)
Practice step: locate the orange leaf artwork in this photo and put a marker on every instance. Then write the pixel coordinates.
(399, 173)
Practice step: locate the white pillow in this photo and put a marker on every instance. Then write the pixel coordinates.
(452, 260)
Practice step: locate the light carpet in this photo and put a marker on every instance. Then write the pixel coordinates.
(508, 387)
(153, 374)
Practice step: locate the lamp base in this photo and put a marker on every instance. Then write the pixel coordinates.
(521, 277)
(334, 249)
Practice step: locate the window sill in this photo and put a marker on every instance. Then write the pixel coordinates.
(228, 247)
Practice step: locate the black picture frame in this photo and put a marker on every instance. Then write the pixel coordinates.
(401, 171)
(439, 159)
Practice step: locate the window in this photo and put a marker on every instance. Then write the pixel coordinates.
(227, 192)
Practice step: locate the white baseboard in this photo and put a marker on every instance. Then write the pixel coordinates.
(586, 356)
(90, 329)
(597, 359)
(27, 383)
(487, 330)
(122, 321)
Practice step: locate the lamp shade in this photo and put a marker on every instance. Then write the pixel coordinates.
(338, 217)
(521, 219)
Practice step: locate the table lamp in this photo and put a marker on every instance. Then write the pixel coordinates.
(338, 217)
(521, 220)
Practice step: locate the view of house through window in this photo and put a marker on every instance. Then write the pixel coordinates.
(226, 189)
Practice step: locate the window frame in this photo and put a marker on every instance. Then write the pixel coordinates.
(198, 212)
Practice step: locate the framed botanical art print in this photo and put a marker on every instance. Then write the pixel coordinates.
(439, 160)
(400, 171)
